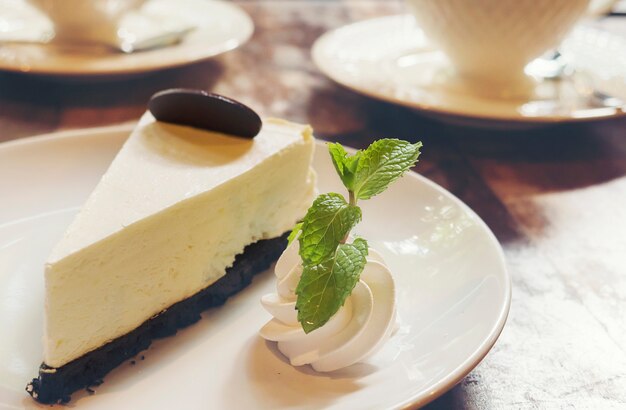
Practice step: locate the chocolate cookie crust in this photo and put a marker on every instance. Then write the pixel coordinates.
(55, 385)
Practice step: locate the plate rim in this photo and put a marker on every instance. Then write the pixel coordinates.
(442, 112)
(247, 31)
(419, 398)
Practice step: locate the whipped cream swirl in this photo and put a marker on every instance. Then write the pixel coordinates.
(360, 327)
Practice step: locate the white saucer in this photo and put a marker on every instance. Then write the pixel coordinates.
(453, 298)
(390, 59)
(219, 27)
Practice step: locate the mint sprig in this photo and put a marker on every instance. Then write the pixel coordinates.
(332, 267)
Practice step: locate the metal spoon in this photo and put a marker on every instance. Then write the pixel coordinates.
(553, 67)
(126, 45)
(161, 40)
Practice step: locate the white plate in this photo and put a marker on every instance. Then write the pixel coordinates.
(390, 59)
(220, 27)
(453, 299)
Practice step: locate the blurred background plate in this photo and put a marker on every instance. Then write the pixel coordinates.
(219, 27)
(389, 58)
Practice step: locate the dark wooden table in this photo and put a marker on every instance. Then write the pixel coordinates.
(555, 197)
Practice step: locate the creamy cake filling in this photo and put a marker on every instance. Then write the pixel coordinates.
(121, 263)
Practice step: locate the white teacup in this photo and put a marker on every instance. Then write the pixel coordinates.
(86, 21)
(489, 42)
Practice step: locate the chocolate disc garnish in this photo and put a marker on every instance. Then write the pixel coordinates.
(208, 111)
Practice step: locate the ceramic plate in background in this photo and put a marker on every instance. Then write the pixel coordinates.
(220, 26)
(390, 59)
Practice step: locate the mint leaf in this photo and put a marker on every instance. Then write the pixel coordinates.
(381, 164)
(324, 287)
(294, 232)
(327, 222)
(361, 245)
(338, 154)
(345, 165)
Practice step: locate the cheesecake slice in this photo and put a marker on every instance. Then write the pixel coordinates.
(182, 219)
